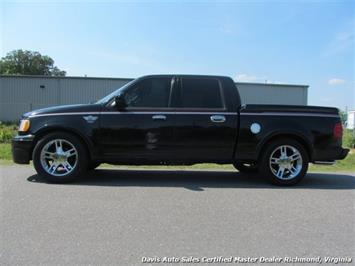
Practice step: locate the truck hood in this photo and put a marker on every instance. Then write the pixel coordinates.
(65, 109)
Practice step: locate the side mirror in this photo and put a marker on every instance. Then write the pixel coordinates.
(120, 102)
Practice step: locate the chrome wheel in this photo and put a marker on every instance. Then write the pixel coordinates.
(59, 157)
(285, 162)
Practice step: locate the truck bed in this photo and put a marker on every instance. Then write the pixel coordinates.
(262, 108)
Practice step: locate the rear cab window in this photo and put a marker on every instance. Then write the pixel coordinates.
(200, 94)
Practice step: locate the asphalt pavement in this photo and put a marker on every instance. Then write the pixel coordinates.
(125, 217)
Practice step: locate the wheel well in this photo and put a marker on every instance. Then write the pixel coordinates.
(299, 139)
(43, 133)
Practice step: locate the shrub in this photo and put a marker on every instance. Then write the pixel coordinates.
(7, 131)
(349, 138)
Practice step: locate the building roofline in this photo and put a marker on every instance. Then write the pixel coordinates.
(272, 84)
(129, 79)
(61, 77)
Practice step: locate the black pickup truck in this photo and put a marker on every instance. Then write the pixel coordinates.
(179, 119)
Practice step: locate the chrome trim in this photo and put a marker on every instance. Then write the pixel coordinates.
(90, 118)
(218, 118)
(206, 113)
(171, 113)
(255, 128)
(23, 138)
(133, 112)
(69, 113)
(159, 117)
(189, 113)
(288, 114)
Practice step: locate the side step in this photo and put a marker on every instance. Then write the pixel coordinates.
(324, 162)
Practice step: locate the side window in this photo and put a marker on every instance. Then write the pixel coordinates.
(200, 93)
(149, 93)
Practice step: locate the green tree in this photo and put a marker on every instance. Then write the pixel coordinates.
(23, 62)
(343, 116)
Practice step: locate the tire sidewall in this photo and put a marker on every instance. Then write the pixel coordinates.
(264, 167)
(80, 167)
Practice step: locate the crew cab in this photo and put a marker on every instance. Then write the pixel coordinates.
(179, 119)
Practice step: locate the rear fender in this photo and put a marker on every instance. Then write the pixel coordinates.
(291, 134)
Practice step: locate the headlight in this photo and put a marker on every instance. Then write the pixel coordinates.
(24, 125)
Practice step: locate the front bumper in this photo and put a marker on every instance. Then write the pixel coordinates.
(22, 148)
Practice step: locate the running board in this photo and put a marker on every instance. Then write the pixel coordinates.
(324, 162)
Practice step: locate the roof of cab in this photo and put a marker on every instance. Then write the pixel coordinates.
(183, 75)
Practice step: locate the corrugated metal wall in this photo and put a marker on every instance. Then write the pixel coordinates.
(20, 94)
(86, 90)
(259, 93)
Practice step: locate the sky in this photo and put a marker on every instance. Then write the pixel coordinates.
(293, 42)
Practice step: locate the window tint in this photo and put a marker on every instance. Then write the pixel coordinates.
(200, 93)
(149, 93)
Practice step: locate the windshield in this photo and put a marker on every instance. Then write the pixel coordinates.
(114, 93)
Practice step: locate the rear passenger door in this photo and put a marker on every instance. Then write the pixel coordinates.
(204, 130)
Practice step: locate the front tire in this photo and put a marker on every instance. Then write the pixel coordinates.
(60, 157)
(284, 162)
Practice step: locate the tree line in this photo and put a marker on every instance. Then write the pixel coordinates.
(24, 62)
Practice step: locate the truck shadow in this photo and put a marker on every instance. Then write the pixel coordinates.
(198, 180)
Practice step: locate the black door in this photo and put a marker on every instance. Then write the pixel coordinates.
(144, 130)
(204, 130)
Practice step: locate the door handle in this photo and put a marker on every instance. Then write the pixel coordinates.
(159, 117)
(218, 118)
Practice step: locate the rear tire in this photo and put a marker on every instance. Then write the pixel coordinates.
(246, 167)
(60, 157)
(284, 162)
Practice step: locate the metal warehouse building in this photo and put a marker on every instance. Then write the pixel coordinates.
(20, 94)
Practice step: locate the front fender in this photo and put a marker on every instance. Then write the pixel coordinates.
(87, 132)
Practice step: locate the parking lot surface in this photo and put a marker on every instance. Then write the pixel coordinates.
(118, 217)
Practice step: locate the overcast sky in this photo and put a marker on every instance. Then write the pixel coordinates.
(263, 41)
